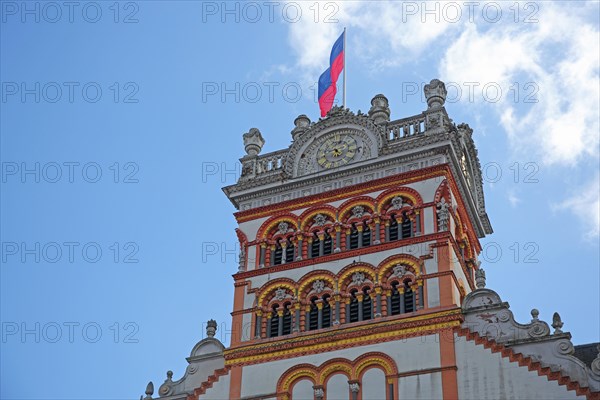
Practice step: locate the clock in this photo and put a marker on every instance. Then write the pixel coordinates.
(336, 151)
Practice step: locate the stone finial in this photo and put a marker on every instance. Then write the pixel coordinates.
(557, 323)
(169, 376)
(253, 142)
(149, 391)
(480, 278)
(534, 315)
(380, 110)
(435, 93)
(302, 123)
(211, 328)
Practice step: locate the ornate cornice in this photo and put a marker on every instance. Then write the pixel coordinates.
(344, 337)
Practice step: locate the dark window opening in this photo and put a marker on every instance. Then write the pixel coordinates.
(409, 298)
(367, 305)
(393, 233)
(287, 319)
(406, 227)
(274, 331)
(353, 237)
(326, 313)
(366, 235)
(327, 244)
(289, 251)
(353, 315)
(314, 247)
(313, 315)
(395, 300)
(278, 254)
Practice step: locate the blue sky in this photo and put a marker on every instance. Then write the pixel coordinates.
(130, 116)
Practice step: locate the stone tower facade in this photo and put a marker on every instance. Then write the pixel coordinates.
(359, 279)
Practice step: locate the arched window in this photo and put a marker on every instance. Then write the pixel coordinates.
(326, 312)
(289, 251)
(274, 329)
(393, 235)
(406, 226)
(313, 315)
(353, 238)
(409, 297)
(367, 305)
(287, 319)
(315, 245)
(366, 235)
(327, 244)
(353, 307)
(278, 253)
(395, 299)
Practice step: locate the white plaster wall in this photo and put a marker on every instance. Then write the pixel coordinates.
(338, 388)
(486, 375)
(247, 332)
(373, 385)
(303, 390)
(424, 386)
(428, 214)
(433, 292)
(219, 389)
(410, 354)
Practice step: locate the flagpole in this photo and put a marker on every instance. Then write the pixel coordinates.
(345, 66)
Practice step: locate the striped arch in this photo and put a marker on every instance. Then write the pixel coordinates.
(312, 276)
(346, 207)
(375, 359)
(307, 216)
(272, 222)
(405, 192)
(388, 264)
(333, 366)
(294, 374)
(443, 190)
(269, 287)
(344, 274)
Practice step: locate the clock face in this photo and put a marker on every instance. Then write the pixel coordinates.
(336, 151)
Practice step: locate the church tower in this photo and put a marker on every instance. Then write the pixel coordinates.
(358, 274)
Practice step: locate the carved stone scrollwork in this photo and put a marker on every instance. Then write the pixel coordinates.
(443, 214)
(399, 270)
(319, 393)
(354, 387)
(564, 347)
(358, 211)
(166, 389)
(320, 220)
(358, 278)
(397, 202)
(280, 294)
(538, 329)
(318, 286)
(283, 227)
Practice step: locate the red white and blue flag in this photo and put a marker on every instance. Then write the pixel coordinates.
(328, 80)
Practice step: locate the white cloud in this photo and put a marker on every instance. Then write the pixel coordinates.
(585, 204)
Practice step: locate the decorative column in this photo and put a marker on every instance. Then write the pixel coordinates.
(299, 248)
(263, 255)
(391, 389)
(401, 292)
(280, 325)
(319, 314)
(359, 297)
(309, 241)
(307, 318)
(283, 249)
(359, 228)
(321, 236)
(421, 297)
(258, 327)
(337, 318)
(319, 392)
(378, 302)
(297, 317)
(338, 239)
(418, 222)
(377, 232)
(272, 255)
(269, 318)
(347, 310)
(354, 388)
(387, 230)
